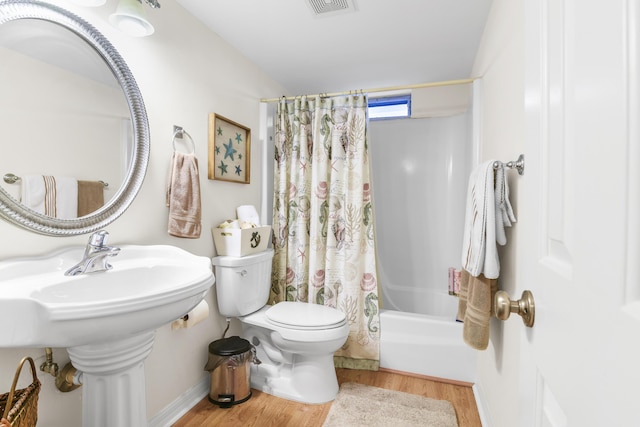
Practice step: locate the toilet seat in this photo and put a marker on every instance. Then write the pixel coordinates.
(294, 332)
(304, 316)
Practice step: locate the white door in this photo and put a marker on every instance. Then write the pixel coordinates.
(579, 206)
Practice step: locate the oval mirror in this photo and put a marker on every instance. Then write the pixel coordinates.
(72, 111)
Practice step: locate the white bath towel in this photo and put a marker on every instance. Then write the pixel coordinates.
(488, 212)
(55, 196)
(479, 252)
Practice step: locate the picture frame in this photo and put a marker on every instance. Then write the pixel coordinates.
(229, 150)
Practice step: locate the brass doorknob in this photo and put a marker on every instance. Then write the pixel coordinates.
(525, 307)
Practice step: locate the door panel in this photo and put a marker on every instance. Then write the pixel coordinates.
(579, 362)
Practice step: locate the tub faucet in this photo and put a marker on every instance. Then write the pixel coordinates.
(95, 255)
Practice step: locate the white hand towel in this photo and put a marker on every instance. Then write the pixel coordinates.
(479, 251)
(504, 211)
(55, 196)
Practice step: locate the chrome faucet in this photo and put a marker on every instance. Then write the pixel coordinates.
(95, 255)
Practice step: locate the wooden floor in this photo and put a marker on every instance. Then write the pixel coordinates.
(264, 410)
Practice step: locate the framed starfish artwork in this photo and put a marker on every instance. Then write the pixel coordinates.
(229, 150)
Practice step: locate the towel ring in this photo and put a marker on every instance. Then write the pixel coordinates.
(179, 132)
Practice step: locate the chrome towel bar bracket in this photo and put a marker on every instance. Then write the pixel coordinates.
(517, 164)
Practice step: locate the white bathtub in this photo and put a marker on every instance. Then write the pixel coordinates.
(426, 345)
(420, 169)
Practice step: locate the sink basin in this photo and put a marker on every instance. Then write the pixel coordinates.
(148, 287)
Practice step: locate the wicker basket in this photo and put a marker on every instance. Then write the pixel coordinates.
(20, 407)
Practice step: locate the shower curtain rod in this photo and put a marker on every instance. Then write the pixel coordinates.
(380, 89)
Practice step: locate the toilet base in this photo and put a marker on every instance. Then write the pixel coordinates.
(307, 380)
(302, 376)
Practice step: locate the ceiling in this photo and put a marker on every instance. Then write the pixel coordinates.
(372, 44)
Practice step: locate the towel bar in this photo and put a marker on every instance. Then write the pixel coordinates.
(517, 164)
(10, 178)
(525, 307)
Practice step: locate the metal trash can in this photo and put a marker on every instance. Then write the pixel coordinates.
(230, 368)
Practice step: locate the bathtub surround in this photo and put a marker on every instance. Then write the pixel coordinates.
(428, 178)
(323, 217)
(363, 405)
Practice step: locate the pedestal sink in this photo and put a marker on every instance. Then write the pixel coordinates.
(107, 319)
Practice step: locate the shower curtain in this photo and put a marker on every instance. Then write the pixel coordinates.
(323, 217)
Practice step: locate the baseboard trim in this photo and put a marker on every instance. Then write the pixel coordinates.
(427, 377)
(485, 420)
(181, 405)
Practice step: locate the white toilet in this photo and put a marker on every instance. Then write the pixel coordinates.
(295, 341)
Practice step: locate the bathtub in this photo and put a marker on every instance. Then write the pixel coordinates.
(426, 345)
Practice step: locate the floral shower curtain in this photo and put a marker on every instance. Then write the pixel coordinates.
(323, 217)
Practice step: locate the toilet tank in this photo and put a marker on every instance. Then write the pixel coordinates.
(242, 283)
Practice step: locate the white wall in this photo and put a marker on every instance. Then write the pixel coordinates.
(184, 72)
(500, 62)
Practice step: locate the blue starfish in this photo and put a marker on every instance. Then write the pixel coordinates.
(219, 130)
(238, 138)
(222, 167)
(230, 150)
(217, 149)
(238, 170)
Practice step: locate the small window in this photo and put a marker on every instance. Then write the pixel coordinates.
(392, 107)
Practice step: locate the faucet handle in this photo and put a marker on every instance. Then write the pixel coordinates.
(99, 238)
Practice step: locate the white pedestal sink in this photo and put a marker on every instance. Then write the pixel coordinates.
(107, 319)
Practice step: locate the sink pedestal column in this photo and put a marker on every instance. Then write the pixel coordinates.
(113, 390)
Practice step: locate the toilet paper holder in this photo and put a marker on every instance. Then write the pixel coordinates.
(525, 307)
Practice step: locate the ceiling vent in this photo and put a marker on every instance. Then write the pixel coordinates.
(322, 8)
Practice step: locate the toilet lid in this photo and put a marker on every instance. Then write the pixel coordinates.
(301, 315)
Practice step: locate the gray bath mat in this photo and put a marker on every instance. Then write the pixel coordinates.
(361, 405)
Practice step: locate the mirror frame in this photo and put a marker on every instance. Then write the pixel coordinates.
(17, 214)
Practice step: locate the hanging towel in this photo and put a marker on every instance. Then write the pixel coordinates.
(479, 309)
(475, 308)
(504, 211)
(90, 197)
(54, 196)
(183, 196)
(479, 252)
(488, 212)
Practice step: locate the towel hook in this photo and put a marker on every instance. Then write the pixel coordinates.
(179, 132)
